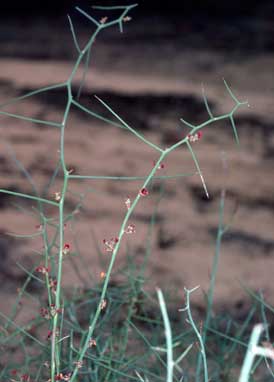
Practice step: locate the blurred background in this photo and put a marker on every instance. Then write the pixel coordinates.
(151, 75)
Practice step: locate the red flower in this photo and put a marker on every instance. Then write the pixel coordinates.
(42, 269)
(160, 167)
(25, 378)
(130, 229)
(66, 248)
(110, 244)
(144, 192)
(195, 137)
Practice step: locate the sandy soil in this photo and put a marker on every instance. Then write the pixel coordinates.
(151, 87)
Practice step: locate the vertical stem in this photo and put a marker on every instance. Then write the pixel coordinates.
(55, 363)
(168, 334)
(212, 280)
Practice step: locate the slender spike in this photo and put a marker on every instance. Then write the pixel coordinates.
(121, 26)
(24, 236)
(19, 194)
(114, 7)
(74, 35)
(230, 92)
(33, 120)
(30, 274)
(187, 123)
(206, 103)
(88, 16)
(21, 168)
(26, 174)
(198, 168)
(127, 126)
(93, 114)
(139, 376)
(84, 74)
(52, 179)
(183, 355)
(22, 330)
(234, 129)
(127, 178)
(34, 92)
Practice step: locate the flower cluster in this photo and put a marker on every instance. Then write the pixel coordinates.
(49, 334)
(128, 203)
(23, 377)
(110, 244)
(195, 137)
(57, 196)
(42, 269)
(160, 167)
(103, 304)
(47, 313)
(53, 284)
(92, 342)
(63, 377)
(103, 20)
(130, 229)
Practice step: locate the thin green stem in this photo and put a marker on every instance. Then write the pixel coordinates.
(33, 120)
(210, 294)
(192, 323)
(140, 136)
(168, 335)
(26, 196)
(127, 178)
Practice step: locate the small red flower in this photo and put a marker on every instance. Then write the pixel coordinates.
(130, 229)
(42, 269)
(110, 244)
(128, 203)
(53, 284)
(13, 372)
(143, 192)
(195, 137)
(160, 167)
(25, 378)
(54, 310)
(45, 313)
(63, 377)
(92, 342)
(66, 248)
